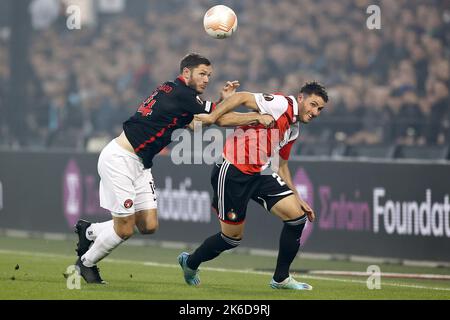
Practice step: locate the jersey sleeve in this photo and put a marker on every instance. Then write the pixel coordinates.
(195, 105)
(285, 152)
(274, 105)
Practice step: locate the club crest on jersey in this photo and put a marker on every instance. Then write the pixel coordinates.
(199, 100)
(268, 97)
(232, 215)
(128, 203)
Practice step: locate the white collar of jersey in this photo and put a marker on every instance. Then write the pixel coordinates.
(295, 107)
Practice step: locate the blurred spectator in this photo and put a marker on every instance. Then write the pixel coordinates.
(410, 120)
(44, 13)
(439, 110)
(388, 86)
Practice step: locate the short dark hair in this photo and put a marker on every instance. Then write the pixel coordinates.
(316, 88)
(193, 60)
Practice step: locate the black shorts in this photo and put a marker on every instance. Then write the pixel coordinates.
(234, 189)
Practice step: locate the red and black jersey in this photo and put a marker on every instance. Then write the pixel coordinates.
(171, 106)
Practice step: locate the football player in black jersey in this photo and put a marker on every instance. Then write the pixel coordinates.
(126, 188)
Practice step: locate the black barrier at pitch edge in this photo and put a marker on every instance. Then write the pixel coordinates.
(371, 209)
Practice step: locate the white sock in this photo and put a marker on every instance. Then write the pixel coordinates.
(106, 241)
(96, 228)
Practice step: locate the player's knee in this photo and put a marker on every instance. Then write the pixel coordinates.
(125, 232)
(296, 223)
(149, 228)
(232, 241)
(124, 227)
(232, 232)
(235, 236)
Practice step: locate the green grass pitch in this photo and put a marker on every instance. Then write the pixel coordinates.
(34, 269)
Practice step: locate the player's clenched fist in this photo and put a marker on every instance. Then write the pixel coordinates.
(205, 119)
(266, 120)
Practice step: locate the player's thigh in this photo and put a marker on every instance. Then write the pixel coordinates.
(146, 203)
(147, 221)
(145, 199)
(271, 191)
(235, 231)
(287, 208)
(117, 174)
(232, 192)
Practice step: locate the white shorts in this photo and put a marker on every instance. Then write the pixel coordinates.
(125, 186)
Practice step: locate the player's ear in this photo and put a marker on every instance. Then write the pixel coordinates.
(186, 73)
(300, 97)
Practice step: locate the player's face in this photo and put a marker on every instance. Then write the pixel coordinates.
(310, 107)
(198, 78)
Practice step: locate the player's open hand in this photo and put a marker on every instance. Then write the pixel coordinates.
(205, 118)
(229, 89)
(266, 120)
(307, 209)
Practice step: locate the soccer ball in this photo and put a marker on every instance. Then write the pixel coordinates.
(220, 22)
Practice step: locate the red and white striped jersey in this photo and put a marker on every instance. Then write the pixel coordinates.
(251, 147)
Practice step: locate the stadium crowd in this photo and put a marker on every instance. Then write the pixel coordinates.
(386, 86)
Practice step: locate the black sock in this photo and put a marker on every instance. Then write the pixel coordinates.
(289, 245)
(211, 248)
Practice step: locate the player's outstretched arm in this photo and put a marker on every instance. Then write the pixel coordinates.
(229, 104)
(234, 119)
(228, 90)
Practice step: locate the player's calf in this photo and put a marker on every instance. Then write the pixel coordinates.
(147, 228)
(211, 248)
(147, 221)
(103, 245)
(288, 247)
